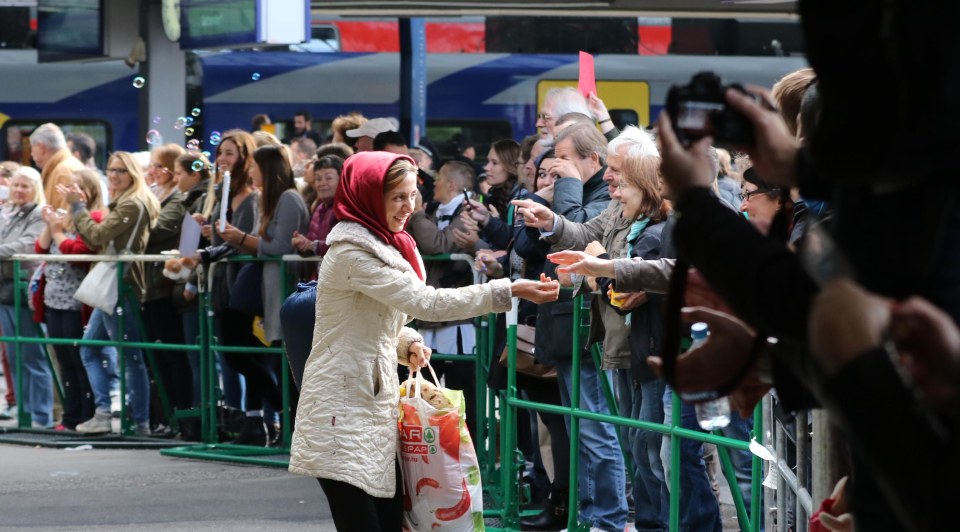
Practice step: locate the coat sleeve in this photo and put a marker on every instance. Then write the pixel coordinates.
(568, 201)
(432, 240)
(572, 235)
(113, 225)
(291, 216)
(408, 294)
(638, 275)
(407, 336)
(497, 233)
(170, 220)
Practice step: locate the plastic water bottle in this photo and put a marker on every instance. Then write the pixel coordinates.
(714, 413)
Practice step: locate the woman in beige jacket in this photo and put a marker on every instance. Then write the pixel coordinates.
(370, 284)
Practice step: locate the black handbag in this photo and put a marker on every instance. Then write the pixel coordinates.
(246, 293)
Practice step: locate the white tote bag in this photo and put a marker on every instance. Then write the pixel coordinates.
(99, 288)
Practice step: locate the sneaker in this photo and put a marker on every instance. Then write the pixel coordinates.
(99, 424)
(142, 429)
(9, 412)
(162, 431)
(114, 404)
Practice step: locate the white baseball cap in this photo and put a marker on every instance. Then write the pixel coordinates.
(371, 128)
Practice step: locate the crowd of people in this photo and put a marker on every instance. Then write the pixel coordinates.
(764, 243)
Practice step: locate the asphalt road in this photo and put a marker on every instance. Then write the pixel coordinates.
(113, 490)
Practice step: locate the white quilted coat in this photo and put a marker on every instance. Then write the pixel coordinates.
(346, 425)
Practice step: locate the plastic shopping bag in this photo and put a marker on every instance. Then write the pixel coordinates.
(441, 475)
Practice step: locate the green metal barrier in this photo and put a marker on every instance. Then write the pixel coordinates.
(508, 510)
(501, 484)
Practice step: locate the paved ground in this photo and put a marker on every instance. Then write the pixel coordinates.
(52, 489)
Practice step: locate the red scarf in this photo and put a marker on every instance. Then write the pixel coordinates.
(359, 199)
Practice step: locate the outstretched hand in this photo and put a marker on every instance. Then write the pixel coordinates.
(543, 291)
(683, 168)
(535, 214)
(582, 263)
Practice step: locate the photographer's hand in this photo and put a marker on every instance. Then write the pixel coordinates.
(683, 169)
(774, 154)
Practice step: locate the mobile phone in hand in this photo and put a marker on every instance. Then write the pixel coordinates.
(466, 199)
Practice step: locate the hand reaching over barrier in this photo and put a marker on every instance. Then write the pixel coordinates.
(535, 214)
(543, 291)
(582, 263)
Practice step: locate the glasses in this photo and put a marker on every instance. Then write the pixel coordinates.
(753, 193)
(160, 167)
(117, 171)
(622, 185)
(544, 116)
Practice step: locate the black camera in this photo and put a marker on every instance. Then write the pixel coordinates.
(700, 109)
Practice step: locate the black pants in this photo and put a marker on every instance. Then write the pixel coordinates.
(237, 330)
(77, 395)
(355, 510)
(164, 324)
(544, 391)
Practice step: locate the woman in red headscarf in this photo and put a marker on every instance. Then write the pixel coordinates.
(371, 283)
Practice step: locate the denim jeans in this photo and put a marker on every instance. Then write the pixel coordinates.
(740, 428)
(644, 401)
(37, 383)
(602, 483)
(699, 509)
(105, 327)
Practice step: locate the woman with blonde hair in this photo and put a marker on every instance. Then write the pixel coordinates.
(132, 213)
(20, 224)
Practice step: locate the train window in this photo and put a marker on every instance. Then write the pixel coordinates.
(444, 135)
(16, 137)
(624, 117)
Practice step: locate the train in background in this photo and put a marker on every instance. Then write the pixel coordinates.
(485, 96)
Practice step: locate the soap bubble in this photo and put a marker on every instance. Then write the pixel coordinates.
(197, 165)
(215, 138)
(188, 132)
(254, 77)
(156, 120)
(188, 120)
(180, 123)
(193, 145)
(154, 138)
(206, 154)
(139, 82)
(195, 111)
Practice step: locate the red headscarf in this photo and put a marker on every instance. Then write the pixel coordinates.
(359, 198)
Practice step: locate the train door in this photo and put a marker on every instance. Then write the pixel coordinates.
(627, 101)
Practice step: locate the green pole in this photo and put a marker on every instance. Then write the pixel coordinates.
(491, 403)
(208, 363)
(729, 472)
(481, 435)
(23, 417)
(574, 495)
(203, 345)
(508, 426)
(125, 429)
(757, 470)
(675, 464)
